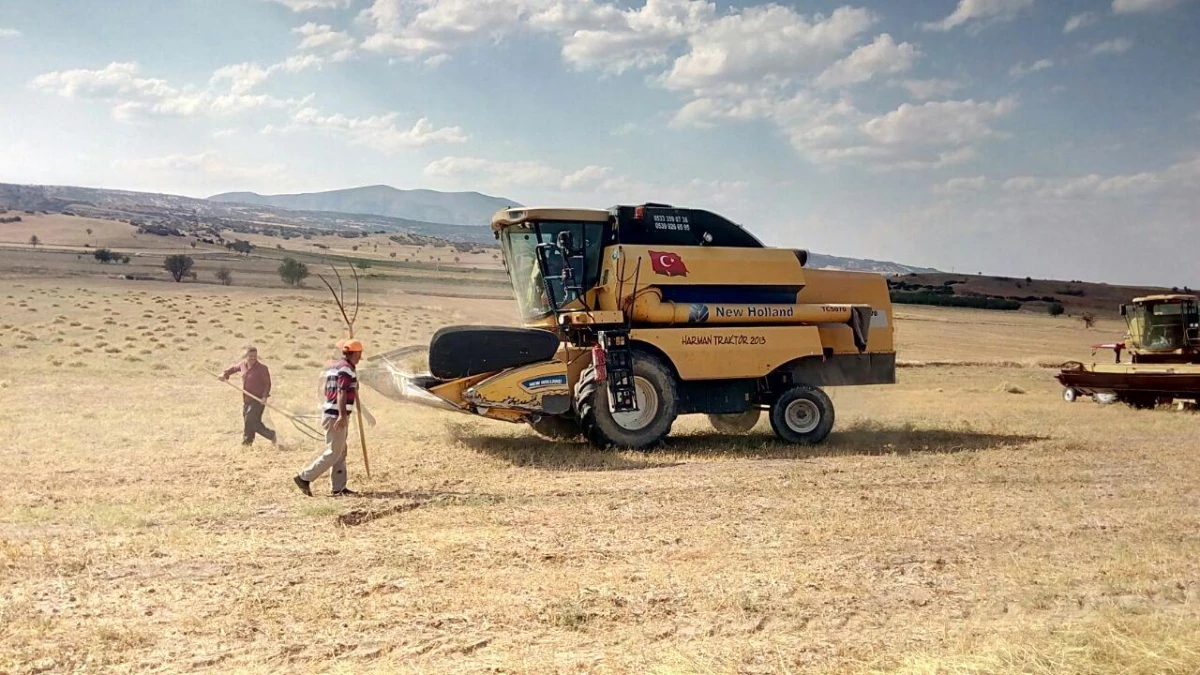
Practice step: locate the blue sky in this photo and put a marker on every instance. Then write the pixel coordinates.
(1003, 136)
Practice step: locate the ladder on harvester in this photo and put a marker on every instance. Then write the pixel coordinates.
(618, 365)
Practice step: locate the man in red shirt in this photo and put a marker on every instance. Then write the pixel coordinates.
(256, 380)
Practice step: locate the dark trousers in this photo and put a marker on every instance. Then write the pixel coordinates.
(252, 412)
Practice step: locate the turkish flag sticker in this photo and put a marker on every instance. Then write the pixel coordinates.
(669, 264)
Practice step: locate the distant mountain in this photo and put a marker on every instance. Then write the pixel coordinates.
(860, 265)
(452, 208)
(194, 216)
(319, 213)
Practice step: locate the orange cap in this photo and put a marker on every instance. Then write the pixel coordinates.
(351, 345)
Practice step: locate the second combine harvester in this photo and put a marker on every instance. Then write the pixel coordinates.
(638, 314)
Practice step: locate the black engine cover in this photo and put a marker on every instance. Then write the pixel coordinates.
(462, 351)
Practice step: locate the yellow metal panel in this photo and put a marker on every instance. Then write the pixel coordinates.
(860, 288)
(596, 317)
(452, 391)
(688, 265)
(730, 353)
(521, 387)
(504, 414)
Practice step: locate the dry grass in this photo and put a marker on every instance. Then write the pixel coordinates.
(945, 527)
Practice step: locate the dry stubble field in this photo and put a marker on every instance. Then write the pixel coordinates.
(965, 520)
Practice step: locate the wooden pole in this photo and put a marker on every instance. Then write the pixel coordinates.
(362, 434)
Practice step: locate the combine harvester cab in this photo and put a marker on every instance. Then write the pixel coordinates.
(638, 314)
(1163, 340)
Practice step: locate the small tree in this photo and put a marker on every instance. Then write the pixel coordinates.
(34, 241)
(1055, 309)
(89, 231)
(178, 265)
(1088, 319)
(223, 275)
(193, 244)
(124, 260)
(293, 271)
(103, 255)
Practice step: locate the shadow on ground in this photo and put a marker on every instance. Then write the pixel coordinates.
(862, 440)
(858, 440)
(367, 512)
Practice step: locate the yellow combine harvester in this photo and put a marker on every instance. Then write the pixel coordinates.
(638, 314)
(1163, 339)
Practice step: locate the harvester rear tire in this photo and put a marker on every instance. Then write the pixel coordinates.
(736, 423)
(802, 415)
(556, 427)
(601, 426)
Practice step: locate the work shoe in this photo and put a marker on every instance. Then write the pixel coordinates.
(344, 492)
(303, 485)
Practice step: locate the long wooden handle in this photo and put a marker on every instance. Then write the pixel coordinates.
(278, 410)
(362, 438)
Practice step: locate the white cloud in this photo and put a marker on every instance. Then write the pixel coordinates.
(635, 38)
(244, 77)
(1078, 21)
(1135, 6)
(424, 28)
(932, 88)
(496, 173)
(1182, 176)
(9, 33)
(132, 96)
(764, 42)
(598, 181)
(928, 135)
(1117, 46)
(881, 56)
(307, 5)
(979, 11)
(956, 186)
(588, 176)
(951, 123)
(378, 131)
(322, 38)
(224, 133)
(207, 163)
(112, 82)
(1021, 70)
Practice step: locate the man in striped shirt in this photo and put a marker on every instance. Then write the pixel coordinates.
(341, 392)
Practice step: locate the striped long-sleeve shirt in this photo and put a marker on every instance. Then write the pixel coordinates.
(340, 377)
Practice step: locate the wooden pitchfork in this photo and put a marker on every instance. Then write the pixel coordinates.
(340, 300)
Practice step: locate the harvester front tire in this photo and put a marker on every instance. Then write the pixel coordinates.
(657, 401)
(736, 423)
(1070, 395)
(556, 427)
(802, 415)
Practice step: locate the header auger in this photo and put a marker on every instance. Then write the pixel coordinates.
(638, 314)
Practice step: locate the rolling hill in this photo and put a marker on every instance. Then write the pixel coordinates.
(452, 208)
(294, 215)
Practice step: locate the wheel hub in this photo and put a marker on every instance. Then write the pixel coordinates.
(802, 416)
(648, 404)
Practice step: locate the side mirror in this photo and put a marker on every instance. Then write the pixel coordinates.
(565, 242)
